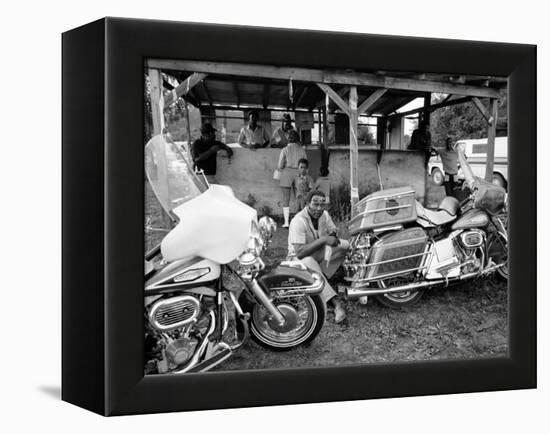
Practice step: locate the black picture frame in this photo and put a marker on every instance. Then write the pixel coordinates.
(103, 202)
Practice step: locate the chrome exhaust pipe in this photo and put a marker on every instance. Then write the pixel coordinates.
(355, 293)
(200, 350)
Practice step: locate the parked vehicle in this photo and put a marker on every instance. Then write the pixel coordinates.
(475, 151)
(399, 248)
(193, 318)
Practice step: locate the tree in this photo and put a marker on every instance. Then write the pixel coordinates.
(463, 121)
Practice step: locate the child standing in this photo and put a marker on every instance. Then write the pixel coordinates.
(323, 183)
(303, 183)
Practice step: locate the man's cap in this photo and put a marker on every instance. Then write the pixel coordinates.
(207, 128)
(287, 118)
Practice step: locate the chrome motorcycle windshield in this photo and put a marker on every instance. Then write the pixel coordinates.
(212, 223)
(169, 170)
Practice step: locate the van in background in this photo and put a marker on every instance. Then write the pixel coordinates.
(476, 153)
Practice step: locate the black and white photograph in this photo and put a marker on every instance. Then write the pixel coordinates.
(289, 216)
(322, 217)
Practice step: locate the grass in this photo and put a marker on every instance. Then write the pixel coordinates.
(463, 322)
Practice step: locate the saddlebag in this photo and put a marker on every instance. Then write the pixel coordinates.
(400, 252)
(384, 208)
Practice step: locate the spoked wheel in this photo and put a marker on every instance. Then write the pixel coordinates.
(401, 299)
(304, 316)
(497, 250)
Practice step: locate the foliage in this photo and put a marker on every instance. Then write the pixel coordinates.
(463, 121)
(366, 136)
(340, 207)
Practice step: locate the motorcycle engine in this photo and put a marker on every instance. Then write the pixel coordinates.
(174, 329)
(459, 253)
(174, 312)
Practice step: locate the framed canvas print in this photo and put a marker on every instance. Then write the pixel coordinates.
(269, 216)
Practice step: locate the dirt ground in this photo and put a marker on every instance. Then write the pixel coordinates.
(466, 321)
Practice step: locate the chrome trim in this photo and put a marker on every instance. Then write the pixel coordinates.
(387, 228)
(371, 211)
(354, 293)
(165, 303)
(200, 349)
(243, 317)
(266, 302)
(397, 273)
(204, 270)
(401, 194)
(315, 288)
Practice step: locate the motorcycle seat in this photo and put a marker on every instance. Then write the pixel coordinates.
(431, 218)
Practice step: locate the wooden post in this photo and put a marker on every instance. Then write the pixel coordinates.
(353, 150)
(188, 122)
(157, 101)
(426, 112)
(322, 143)
(325, 126)
(491, 134)
(157, 110)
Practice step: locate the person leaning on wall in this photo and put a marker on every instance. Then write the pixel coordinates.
(204, 151)
(287, 167)
(279, 139)
(253, 136)
(449, 159)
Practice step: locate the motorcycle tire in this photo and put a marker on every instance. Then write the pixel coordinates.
(400, 300)
(265, 333)
(496, 248)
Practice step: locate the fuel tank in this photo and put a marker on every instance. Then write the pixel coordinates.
(474, 218)
(183, 273)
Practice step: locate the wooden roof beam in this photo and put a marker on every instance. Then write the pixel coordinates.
(342, 92)
(208, 97)
(335, 97)
(324, 76)
(370, 100)
(435, 106)
(483, 110)
(184, 87)
(301, 96)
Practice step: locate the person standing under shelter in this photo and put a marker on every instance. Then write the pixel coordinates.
(204, 151)
(303, 183)
(421, 140)
(312, 239)
(253, 136)
(279, 139)
(323, 183)
(289, 157)
(449, 159)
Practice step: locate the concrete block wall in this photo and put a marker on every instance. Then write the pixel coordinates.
(250, 173)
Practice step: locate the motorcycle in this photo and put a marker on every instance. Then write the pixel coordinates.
(399, 248)
(207, 289)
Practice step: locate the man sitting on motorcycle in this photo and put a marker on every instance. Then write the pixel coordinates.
(312, 239)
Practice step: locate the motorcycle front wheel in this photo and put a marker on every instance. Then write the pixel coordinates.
(497, 250)
(305, 316)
